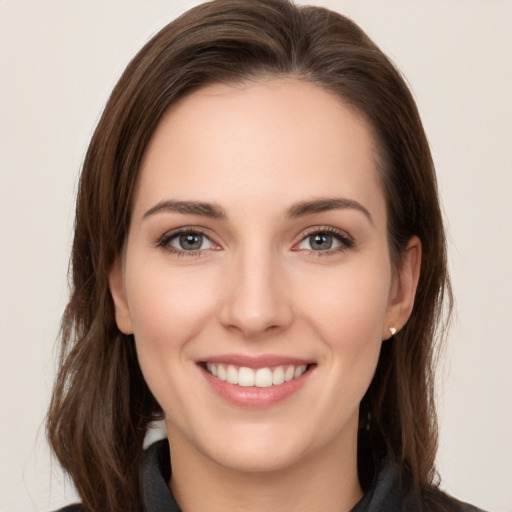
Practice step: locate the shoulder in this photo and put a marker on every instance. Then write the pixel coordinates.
(435, 499)
(155, 472)
(392, 489)
(459, 506)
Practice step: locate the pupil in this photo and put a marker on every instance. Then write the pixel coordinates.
(320, 241)
(191, 242)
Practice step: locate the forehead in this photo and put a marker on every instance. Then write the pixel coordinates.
(259, 139)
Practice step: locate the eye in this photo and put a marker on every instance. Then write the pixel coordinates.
(319, 242)
(190, 242)
(325, 241)
(186, 241)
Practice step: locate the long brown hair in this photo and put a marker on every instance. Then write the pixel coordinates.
(101, 406)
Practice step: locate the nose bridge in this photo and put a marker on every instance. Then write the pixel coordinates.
(256, 299)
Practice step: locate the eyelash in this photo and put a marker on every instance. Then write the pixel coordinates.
(346, 242)
(164, 242)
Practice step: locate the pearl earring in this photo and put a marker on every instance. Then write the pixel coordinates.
(392, 330)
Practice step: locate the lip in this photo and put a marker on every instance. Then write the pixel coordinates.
(255, 397)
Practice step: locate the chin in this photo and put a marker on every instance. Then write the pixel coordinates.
(257, 458)
(271, 446)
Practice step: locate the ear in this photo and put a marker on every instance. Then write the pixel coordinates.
(403, 289)
(116, 285)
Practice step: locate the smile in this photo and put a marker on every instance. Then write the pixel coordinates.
(256, 381)
(255, 377)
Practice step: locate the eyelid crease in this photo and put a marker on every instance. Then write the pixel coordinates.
(326, 229)
(179, 231)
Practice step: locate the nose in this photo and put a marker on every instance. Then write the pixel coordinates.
(256, 297)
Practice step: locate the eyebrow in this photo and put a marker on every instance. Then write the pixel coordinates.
(189, 208)
(215, 211)
(323, 205)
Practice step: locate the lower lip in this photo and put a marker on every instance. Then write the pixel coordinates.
(255, 397)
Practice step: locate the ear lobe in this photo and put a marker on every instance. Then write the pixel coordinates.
(404, 287)
(115, 282)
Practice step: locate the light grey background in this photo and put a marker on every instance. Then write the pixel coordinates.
(58, 63)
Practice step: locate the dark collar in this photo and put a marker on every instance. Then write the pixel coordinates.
(156, 473)
(390, 491)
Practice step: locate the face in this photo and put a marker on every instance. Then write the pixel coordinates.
(256, 275)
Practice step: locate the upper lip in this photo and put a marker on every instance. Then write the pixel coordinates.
(261, 361)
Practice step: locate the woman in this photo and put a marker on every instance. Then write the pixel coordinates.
(259, 258)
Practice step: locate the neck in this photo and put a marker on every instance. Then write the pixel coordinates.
(326, 481)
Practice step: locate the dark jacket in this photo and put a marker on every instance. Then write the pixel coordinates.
(388, 494)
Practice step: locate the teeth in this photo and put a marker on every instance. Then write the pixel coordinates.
(299, 371)
(278, 376)
(212, 369)
(232, 375)
(261, 378)
(289, 373)
(221, 372)
(246, 377)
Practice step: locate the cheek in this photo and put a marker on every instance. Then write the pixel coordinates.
(349, 304)
(347, 315)
(168, 306)
(168, 310)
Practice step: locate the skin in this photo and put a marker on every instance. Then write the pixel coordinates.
(257, 286)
